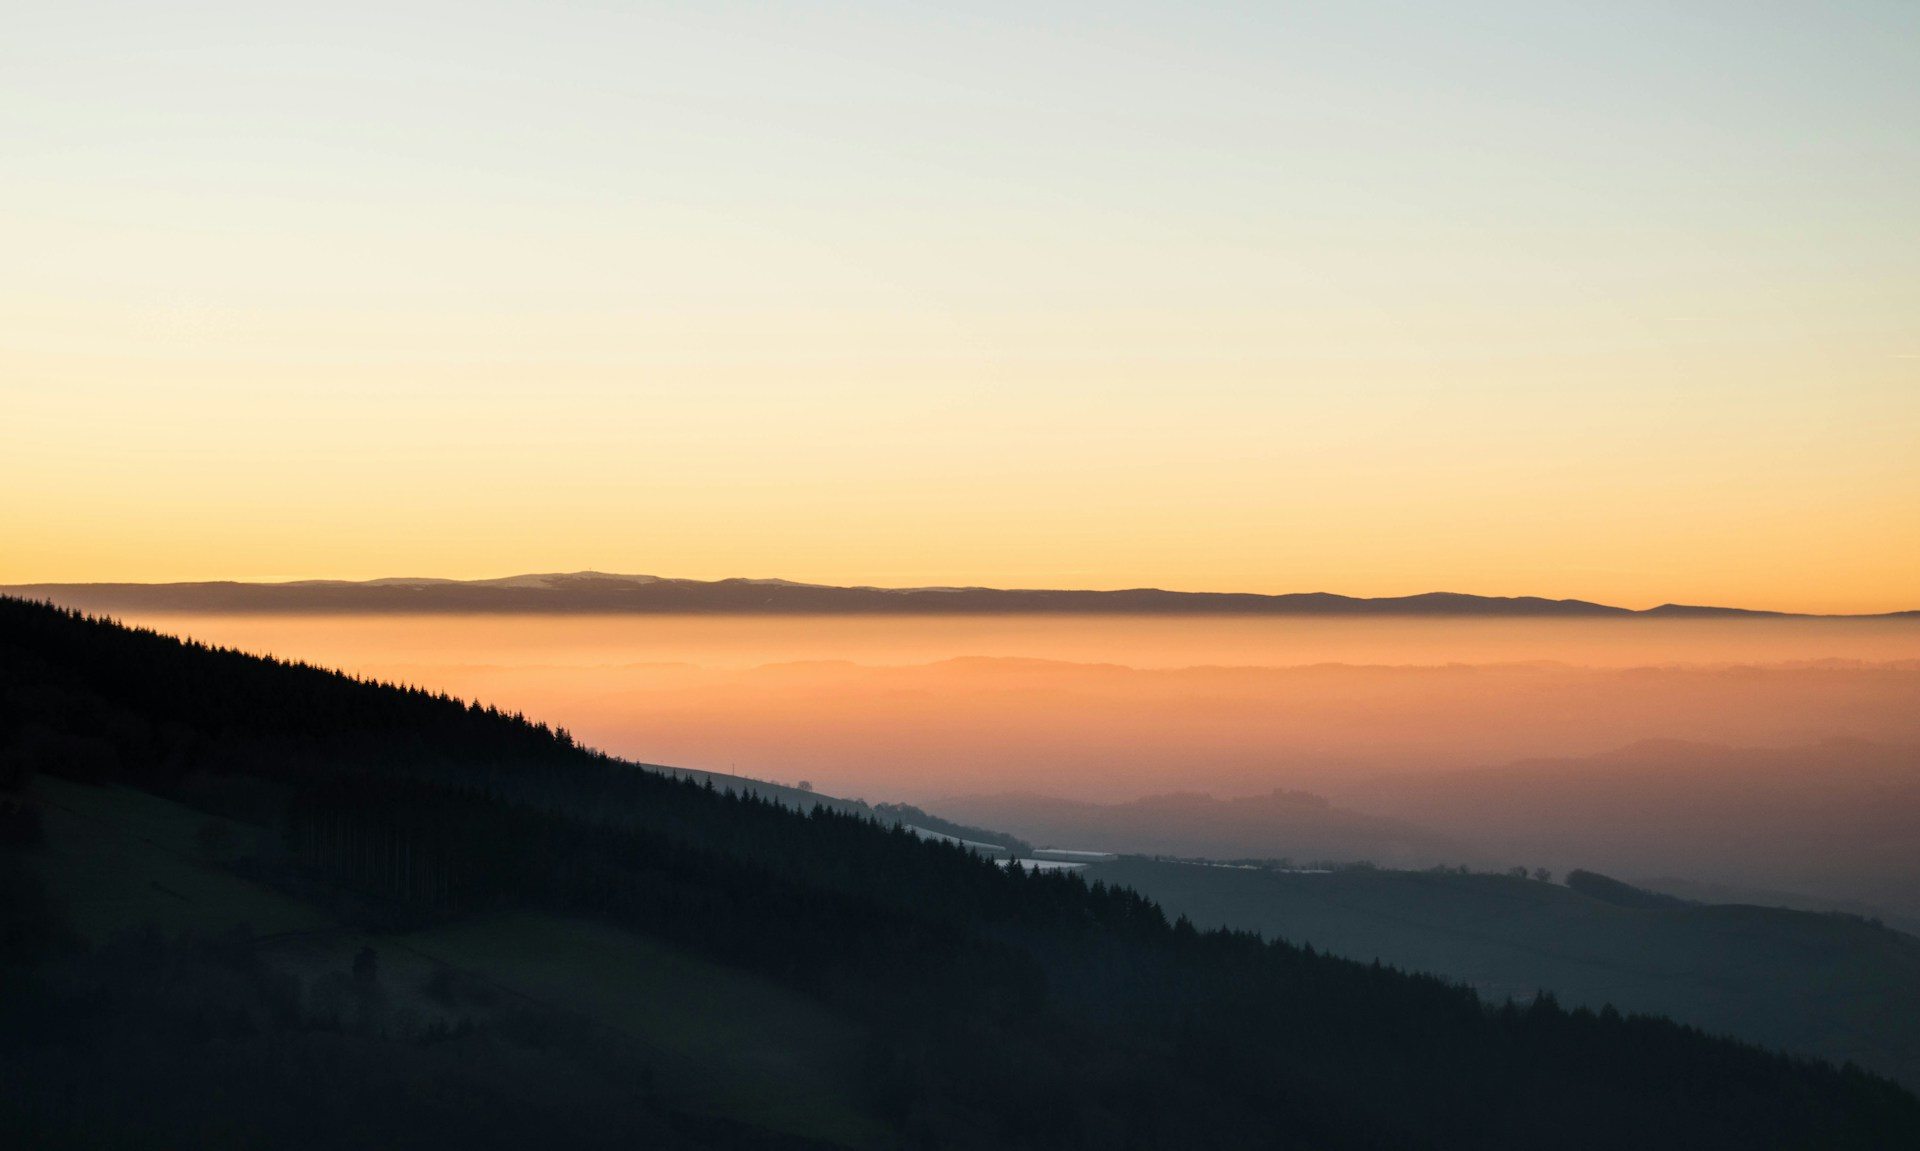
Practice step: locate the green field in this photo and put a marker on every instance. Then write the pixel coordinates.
(724, 1041)
(116, 858)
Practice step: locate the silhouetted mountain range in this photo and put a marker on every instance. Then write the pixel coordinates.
(593, 592)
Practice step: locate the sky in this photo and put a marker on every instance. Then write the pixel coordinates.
(1614, 301)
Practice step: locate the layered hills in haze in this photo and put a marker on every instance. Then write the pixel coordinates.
(1835, 818)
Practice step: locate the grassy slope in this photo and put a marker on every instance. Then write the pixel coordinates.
(117, 858)
(721, 1042)
(1815, 984)
(726, 1042)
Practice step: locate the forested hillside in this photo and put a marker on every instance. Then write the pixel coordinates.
(992, 1007)
(1595, 941)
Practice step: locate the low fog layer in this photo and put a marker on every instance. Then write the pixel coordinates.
(1748, 754)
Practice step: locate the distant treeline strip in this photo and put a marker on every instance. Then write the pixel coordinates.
(592, 593)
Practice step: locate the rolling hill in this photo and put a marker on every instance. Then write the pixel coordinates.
(1837, 986)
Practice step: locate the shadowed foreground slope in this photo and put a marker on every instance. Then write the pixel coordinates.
(987, 1006)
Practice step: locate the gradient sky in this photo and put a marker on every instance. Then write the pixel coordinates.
(1616, 301)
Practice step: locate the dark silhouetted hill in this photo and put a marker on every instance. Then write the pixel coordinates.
(1607, 889)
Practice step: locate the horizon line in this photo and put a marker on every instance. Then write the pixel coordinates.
(535, 588)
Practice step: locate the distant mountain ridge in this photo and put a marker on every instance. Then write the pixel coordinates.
(600, 592)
